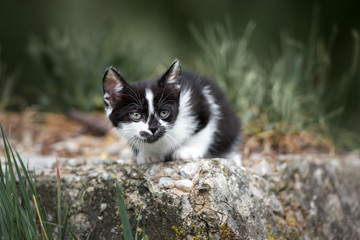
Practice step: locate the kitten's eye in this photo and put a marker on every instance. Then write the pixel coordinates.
(135, 116)
(164, 114)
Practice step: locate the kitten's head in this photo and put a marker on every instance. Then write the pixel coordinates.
(142, 111)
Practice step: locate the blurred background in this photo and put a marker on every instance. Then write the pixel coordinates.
(287, 66)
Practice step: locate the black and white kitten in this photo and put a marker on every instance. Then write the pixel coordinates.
(176, 116)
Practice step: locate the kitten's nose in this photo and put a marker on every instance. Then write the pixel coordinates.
(153, 129)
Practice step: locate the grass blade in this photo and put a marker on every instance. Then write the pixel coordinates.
(41, 223)
(66, 222)
(144, 237)
(58, 199)
(123, 214)
(137, 224)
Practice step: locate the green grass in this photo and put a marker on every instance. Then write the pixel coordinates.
(22, 214)
(291, 93)
(18, 197)
(125, 219)
(123, 214)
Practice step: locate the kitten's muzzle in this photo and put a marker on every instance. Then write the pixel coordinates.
(151, 138)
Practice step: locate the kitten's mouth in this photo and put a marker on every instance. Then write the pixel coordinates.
(151, 138)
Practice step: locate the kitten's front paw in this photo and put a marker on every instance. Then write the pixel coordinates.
(186, 154)
(148, 159)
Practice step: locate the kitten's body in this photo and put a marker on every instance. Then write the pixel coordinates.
(183, 116)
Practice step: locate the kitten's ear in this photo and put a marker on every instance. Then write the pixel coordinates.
(113, 84)
(172, 76)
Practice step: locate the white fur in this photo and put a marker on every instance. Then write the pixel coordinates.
(128, 129)
(149, 95)
(118, 88)
(173, 76)
(108, 109)
(197, 146)
(185, 123)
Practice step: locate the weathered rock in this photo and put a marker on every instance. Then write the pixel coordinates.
(295, 197)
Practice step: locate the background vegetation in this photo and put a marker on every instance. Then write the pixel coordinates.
(286, 66)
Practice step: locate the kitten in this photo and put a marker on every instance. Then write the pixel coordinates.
(176, 116)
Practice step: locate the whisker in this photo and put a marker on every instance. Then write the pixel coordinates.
(133, 142)
(138, 143)
(171, 139)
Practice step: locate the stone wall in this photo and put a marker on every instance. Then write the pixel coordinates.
(283, 197)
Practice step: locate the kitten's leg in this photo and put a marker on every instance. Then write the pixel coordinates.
(142, 159)
(186, 153)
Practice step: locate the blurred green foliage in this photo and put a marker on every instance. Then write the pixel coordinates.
(290, 71)
(73, 65)
(290, 94)
(7, 82)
